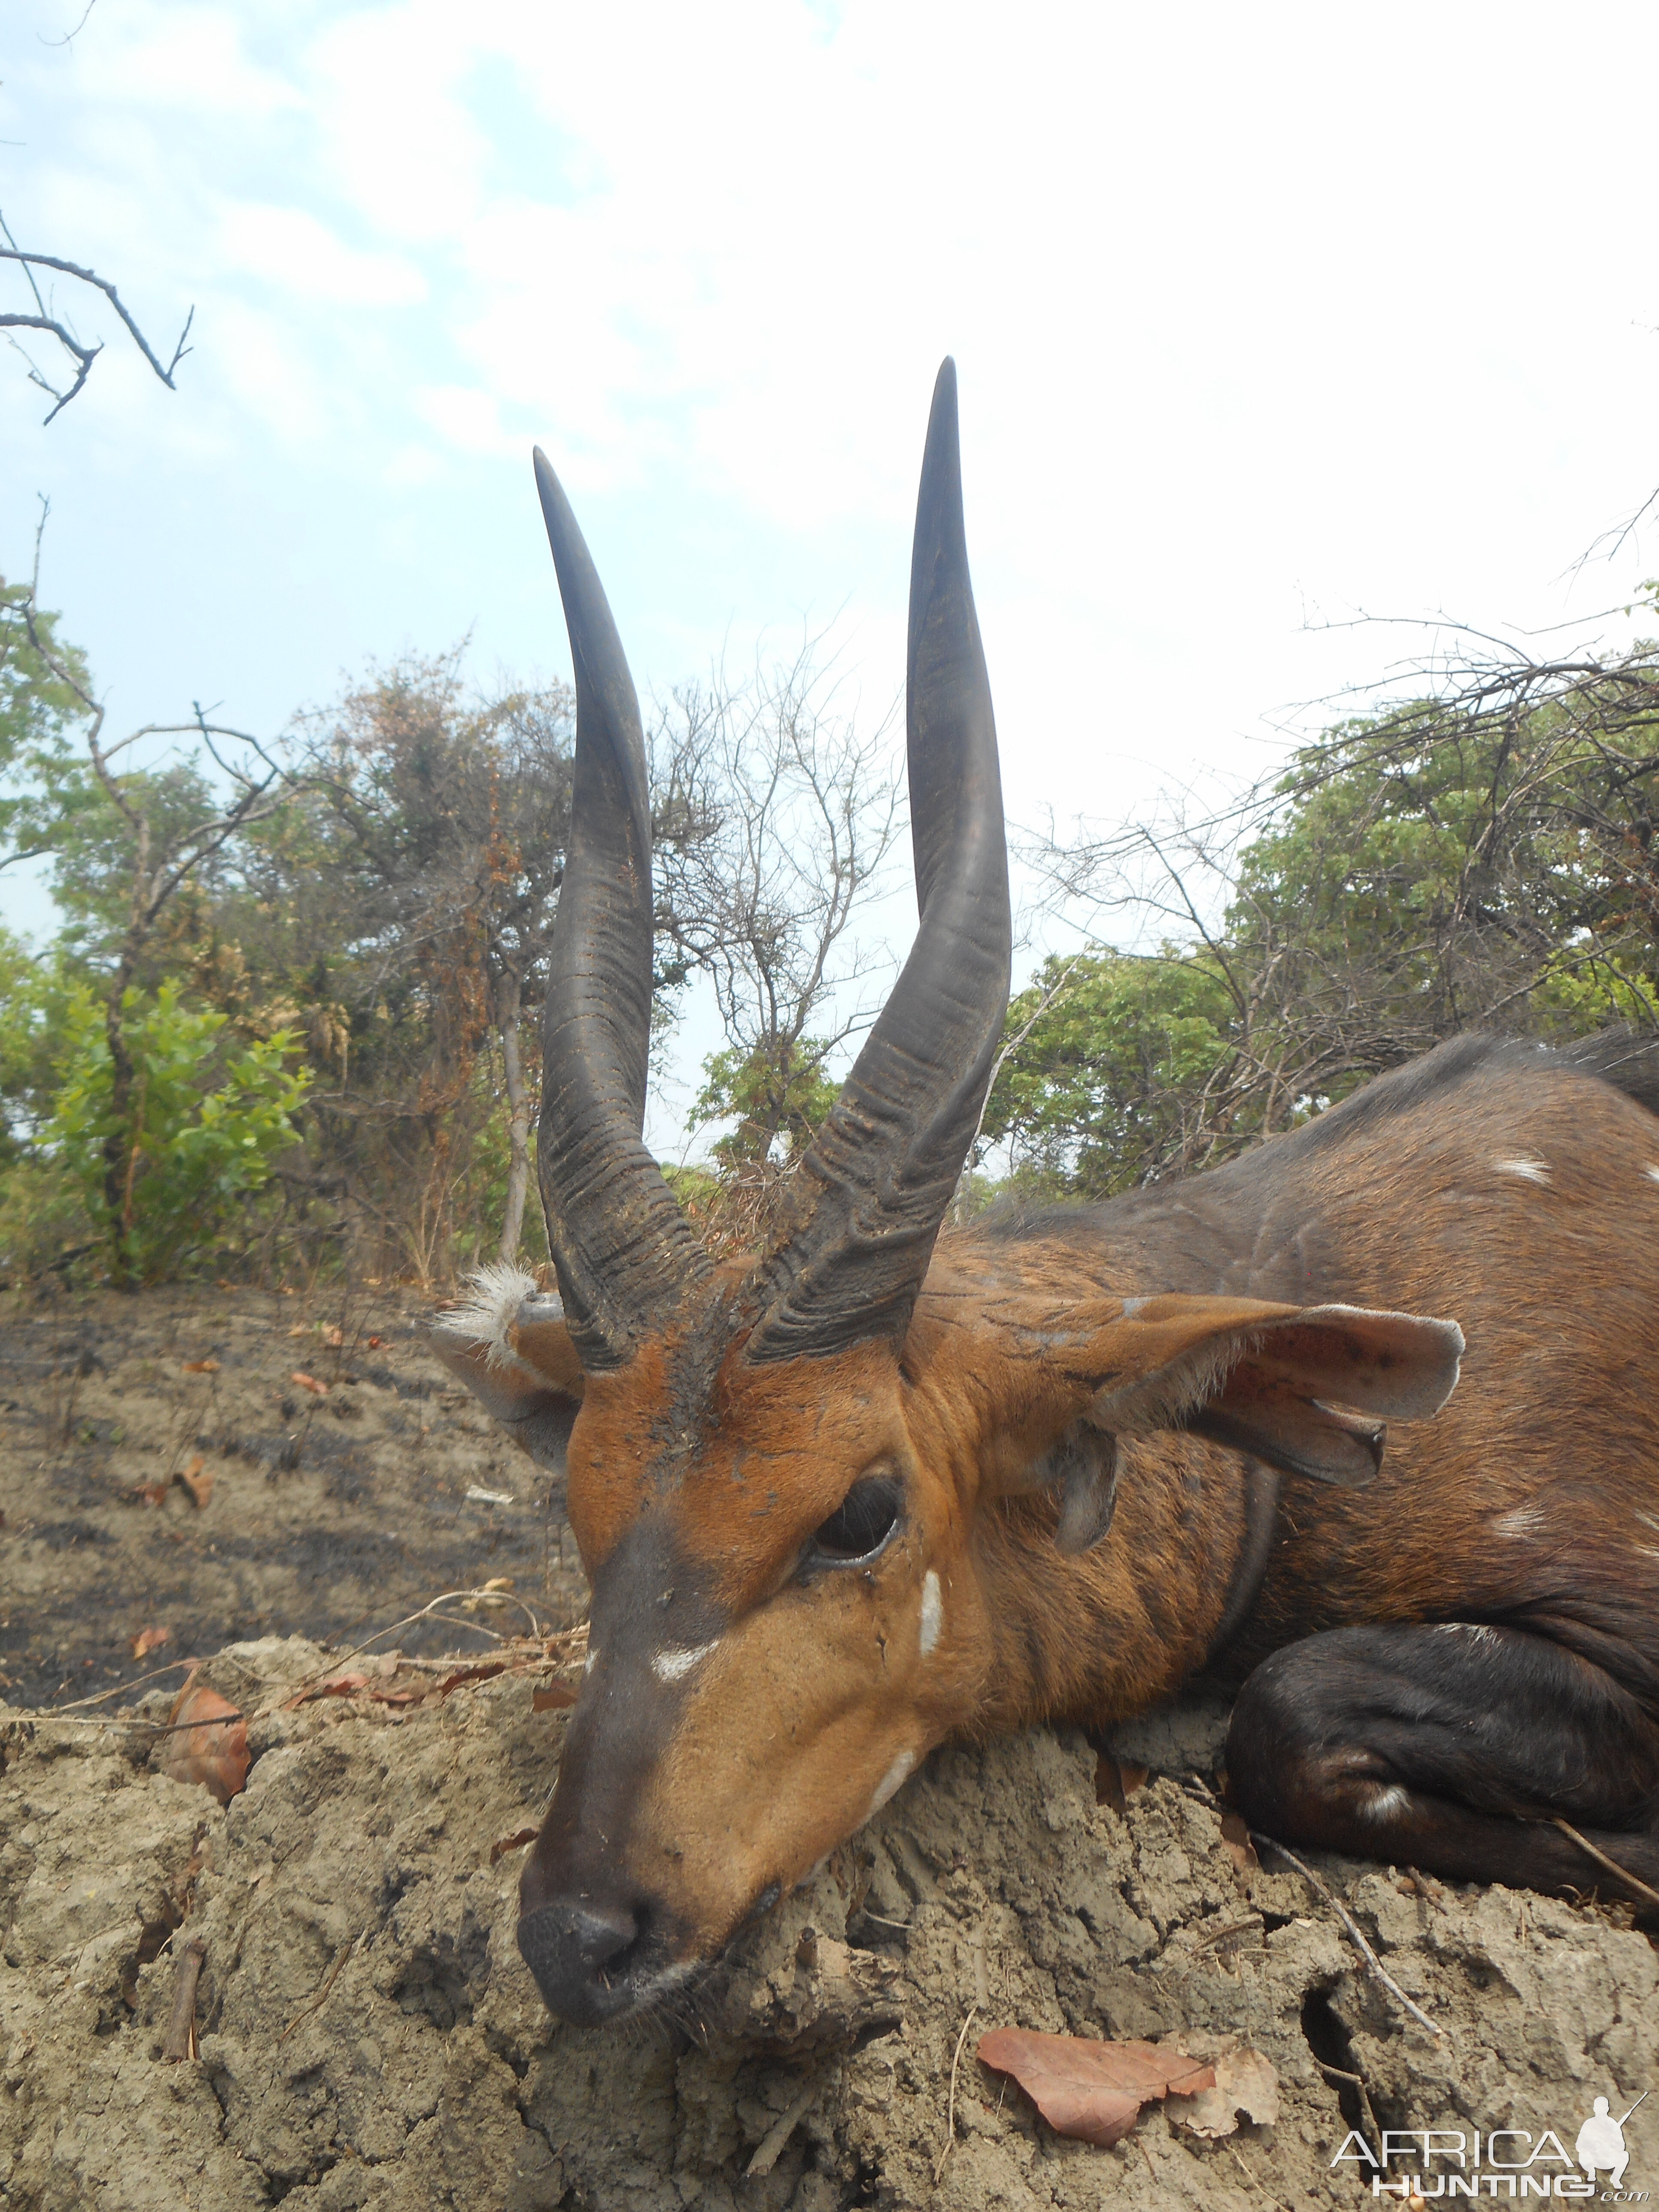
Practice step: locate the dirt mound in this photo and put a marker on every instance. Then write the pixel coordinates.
(368, 2037)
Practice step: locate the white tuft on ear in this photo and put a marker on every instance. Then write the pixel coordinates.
(497, 1292)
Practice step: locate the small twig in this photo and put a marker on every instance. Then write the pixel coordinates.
(316, 2003)
(121, 1688)
(1601, 1859)
(180, 2041)
(1353, 1928)
(1358, 2082)
(769, 2149)
(950, 2109)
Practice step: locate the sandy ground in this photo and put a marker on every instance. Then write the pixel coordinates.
(366, 2035)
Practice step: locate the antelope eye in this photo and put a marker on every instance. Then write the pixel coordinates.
(861, 1525)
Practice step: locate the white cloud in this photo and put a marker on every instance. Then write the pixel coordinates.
(290, 248)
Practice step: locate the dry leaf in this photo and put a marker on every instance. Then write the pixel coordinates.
(375, 1342)
(210, 1742)
(1116, 1781)
(357, 1685)
(1236, 1842)
(499, 1852)
(201, 1367)
(1087, 2089)
(556, 1697)
(1244, 2083)
(301, 1328)
(150, 1639)
(332, 1338)
(482, 1672)
(147, 1493)
(197, 1479)
(309, 1382)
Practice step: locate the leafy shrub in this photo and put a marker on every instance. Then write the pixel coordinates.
(208, 1121)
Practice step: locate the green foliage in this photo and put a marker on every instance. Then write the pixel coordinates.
(38, 714)
(778, 1098)
(1101, 1086)
(209, 1118)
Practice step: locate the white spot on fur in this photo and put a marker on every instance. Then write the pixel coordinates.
(674, 1665)
(1520, 1521)
(1529, 1171)
(1476, 1630)
(933, 1612)
(589, 1663)
(1654, 1172)
(890, 1781)
(1386, 1803)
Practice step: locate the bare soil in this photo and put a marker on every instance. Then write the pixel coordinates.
(366, 2035)
(326, 1512)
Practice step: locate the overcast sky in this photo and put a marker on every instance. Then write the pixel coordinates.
(1263, 317)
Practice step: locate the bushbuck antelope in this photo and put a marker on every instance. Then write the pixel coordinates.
(885, 1486)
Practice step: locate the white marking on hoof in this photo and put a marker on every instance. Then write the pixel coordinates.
(1386, 1803)
(890, 1781)
(1529, 1171)
(674, 1665)
(933, 1612)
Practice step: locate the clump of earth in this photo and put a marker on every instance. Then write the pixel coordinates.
(364, 2033)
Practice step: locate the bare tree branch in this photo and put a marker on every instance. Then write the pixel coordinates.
(82, 355)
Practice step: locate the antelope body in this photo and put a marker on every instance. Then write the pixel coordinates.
(883, 1486)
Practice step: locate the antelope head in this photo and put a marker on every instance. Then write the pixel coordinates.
(774, 1471)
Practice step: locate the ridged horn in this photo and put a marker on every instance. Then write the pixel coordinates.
(624, 1252)
(875, 1182)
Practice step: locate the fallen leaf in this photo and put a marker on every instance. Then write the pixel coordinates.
(501, 1582)
(209, 1742)
(147, 1493)
(516, 1843)
(483, 1672)
(332, 1338)
(201, 1367)
(1088, 2088)
(1236, 1842)
(556, 1697)
(1244, 2083)
(301, 1328)
(375, 1342)
(1116, 1781)
(357, 1685)
(309, 1382)
(150, 1639)
(197, 1479)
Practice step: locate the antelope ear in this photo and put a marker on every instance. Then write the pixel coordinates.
(1287, 1383)
(509, 1345)
(1307, 1388)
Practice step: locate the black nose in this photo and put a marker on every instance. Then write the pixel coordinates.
(580, 1959)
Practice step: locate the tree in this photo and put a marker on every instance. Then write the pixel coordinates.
(449, 815)
(1109, 1081)
(1481, 854)
(794, 816)
(159, 829)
